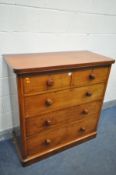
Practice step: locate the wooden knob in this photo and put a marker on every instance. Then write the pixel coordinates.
(47, 141)
(85, 111)
(49, 102)
(82, 129)
(48, 122)
(92, 76)
(50, 82)
(88, 94)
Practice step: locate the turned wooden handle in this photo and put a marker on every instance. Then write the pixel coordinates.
(88, 93)
(49, 102)
(92, 76)
(82, 129)
(47, 141)
(48, 122)
(85, 111)
(50, 82)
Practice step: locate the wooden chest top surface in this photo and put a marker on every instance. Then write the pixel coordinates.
(39, 62)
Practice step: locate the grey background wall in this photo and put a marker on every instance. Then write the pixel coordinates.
(28, 26)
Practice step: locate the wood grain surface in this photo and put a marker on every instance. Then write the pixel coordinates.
(38, 104)
(48, 121)
(52, 138)
(41, 62)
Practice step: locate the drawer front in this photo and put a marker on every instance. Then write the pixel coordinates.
(52, 139)
(38, 104)
(90, 76)
(51, 120)
(38, 83)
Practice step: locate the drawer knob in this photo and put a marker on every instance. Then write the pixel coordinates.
(50, 82)
(92, 76)
(47, 141)
(85, 111)
(82, 129)
(88, 94)
(48, 122)
(49, 102)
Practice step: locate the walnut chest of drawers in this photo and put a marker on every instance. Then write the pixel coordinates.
(60, 97)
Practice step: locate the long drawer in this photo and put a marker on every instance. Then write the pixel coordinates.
(51, 120)
(52, 139)
(38, 104)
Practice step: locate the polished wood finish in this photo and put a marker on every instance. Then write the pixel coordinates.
(51, 81)
(50, 139)
(21, 139)
(90, 76)
(37, 157)
(42, 62)
(47, 102)
(40, 123)
(60, 98)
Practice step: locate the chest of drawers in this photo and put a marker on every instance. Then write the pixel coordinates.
(60, 97)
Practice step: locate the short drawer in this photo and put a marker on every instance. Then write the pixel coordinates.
(90, 76)
(52, 139)
(38, 83)
(38, 104)
(51, 120)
